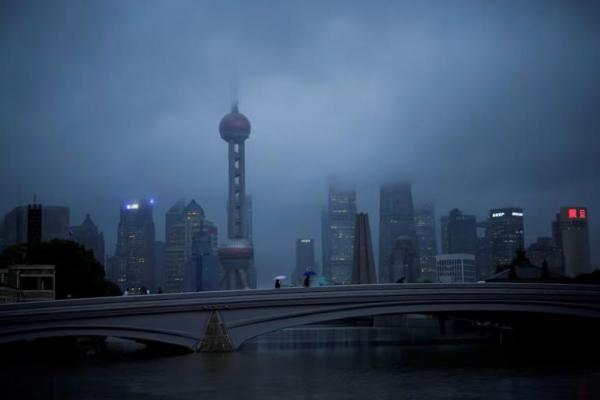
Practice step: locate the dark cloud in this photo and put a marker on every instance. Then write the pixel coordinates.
(479, 104)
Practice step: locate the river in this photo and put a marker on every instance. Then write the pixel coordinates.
(327, 362)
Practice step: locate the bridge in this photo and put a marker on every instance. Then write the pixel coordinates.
(224, 320)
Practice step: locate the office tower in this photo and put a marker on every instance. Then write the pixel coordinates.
(305, 259)
(173, 273)
(159, 265)
(34, 223)
(132, 266)
(237, 254)
(54, 224)
(455, 268)
(483, 259)
(404, 261)
(338, 234)
(363, 264)
(544, 249)
(183, 224)
(89, 236)
(505, 229)
(396, 219)
(459, 233)
(325, 241)
(203, 268)
(573, 234)
(426, 243)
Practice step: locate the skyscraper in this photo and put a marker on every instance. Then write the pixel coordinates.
(53, 224)
(305, 259)
(363, 264)
(396, 219)
(460, 232)
(203, 271)
(573, 232)
(426, 243)
(544, 249)
(89, 236)
(34, 223)
(184, 223)
(237, 254)
(159, 265)
(132, 266)
(338, 234)
(483, 259)
(505, 233)
(404, 260)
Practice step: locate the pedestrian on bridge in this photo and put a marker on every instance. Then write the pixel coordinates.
(278, 279)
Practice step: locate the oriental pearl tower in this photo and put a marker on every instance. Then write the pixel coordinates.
(237, 254)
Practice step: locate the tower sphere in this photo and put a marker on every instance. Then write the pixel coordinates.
(234, 126)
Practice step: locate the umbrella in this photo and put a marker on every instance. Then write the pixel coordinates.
(279, 277)
(309, 273)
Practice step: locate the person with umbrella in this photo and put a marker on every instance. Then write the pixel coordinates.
(307, 275)
(278, 280)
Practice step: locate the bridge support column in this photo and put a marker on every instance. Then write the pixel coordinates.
(216, 339)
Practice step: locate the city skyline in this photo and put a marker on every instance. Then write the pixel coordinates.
(91, 147)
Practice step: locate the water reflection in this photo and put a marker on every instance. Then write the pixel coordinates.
(309, 363)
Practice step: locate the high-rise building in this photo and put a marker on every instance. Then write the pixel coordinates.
(89, 236)
(184, 225)
(426, 243)
(173, 272)
(203, 270)
(363, 264)
(53, 224)
(455, 268)
(34, 223)
(338, 234)
(459, 233)
(573, 233)
(404, 261)
(305, 259)
(132, 266)
(505, 233)
(325, 239)
(237, 254)
(544, 249)
(483, 259)
(159, 265)
(396, 219)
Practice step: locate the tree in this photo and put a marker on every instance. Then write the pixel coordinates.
(78, 274)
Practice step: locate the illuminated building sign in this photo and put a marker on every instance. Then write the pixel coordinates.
(497, 214)
(132, 206)
(576, 213)
(517, 214)
(305, 241)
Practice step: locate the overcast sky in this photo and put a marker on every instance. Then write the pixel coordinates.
(479, 104)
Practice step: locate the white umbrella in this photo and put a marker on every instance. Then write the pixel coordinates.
(279, 278)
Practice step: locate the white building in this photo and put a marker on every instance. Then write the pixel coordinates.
(455, 268)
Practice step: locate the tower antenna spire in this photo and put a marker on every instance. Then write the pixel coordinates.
(236, 94)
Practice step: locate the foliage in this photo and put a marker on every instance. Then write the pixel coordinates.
(78, 274)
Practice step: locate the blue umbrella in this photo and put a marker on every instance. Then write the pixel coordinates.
(309, 273)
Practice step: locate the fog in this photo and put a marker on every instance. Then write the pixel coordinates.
(479, 104)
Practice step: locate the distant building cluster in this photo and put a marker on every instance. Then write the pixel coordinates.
(191, 258)
(470, 249)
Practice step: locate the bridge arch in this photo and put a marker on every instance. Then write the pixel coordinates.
(137, 334)
(241, 331)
